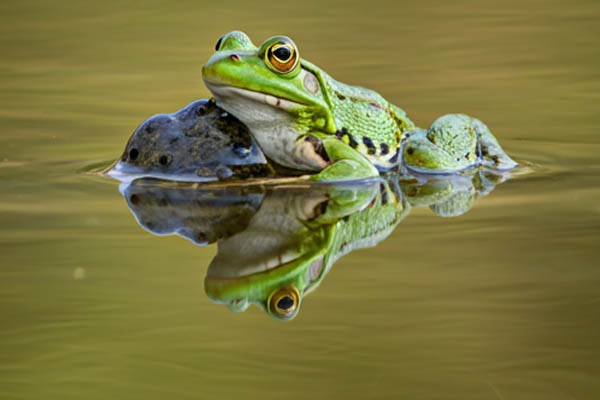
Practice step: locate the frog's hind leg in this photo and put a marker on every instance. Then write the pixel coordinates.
(453, 143)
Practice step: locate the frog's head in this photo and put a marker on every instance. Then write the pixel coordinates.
(278, 290)
(269, 83)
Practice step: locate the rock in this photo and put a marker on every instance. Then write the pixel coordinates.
(197, 143)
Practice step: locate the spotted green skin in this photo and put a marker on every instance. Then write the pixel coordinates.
(453, 143)
(354, 131)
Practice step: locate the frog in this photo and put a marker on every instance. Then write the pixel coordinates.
(304, 119)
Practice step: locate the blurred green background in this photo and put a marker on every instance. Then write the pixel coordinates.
(498, 303)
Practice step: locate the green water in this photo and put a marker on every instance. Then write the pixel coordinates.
(500, 303)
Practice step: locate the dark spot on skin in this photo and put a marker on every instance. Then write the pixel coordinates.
(410, 150)
(164, 160)
(339, 134)
(467, 155)
(219, 43)
(341, 96)
(495, 160)
(318, 147)
(163, 203)
(384, 194)
(149, 128)
(133, 154)
(285, 303)
(384, 149)
(174, 140)
(395, 157)
(370, 146)
(134, 199)
(353, 143)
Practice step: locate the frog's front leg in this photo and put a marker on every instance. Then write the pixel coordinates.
(340, 161)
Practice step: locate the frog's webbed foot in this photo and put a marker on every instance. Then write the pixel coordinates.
(346, 164)
(488, 149)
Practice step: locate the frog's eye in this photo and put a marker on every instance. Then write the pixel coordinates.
(219, 43)
(282, 56)
(284, 302)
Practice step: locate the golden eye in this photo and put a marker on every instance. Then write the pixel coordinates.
(282, 56)
(284, 301)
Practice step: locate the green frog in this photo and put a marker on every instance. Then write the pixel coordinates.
(303, 119)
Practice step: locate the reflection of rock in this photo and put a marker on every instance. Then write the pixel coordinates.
(198, 142)
(202, 216)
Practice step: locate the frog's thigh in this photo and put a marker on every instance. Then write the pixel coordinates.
(346, 163)
(421, 155)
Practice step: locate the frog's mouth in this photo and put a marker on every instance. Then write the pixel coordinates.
(225, 92)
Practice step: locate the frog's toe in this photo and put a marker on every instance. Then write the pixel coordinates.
(491, 153)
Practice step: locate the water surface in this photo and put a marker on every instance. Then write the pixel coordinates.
(501, 302)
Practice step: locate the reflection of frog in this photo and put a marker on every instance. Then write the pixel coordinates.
(293, 240)
(452, 195)
(304, 119)
(276, 244)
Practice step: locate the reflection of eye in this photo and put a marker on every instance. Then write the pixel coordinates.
(284, 301)
(219, 43)
(282, 56)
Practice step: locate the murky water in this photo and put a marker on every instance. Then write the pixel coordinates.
(500, 302)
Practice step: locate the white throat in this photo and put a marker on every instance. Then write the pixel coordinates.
(270, 123)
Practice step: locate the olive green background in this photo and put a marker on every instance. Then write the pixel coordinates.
(501, 303)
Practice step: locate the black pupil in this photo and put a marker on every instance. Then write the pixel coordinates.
(285, 303)
(283, 53)
(219, 43)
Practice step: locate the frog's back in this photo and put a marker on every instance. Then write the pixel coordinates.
(367, 122)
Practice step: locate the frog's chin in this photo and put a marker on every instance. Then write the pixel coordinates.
(227, 92)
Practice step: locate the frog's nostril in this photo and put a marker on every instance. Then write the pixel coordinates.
(235, 57)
